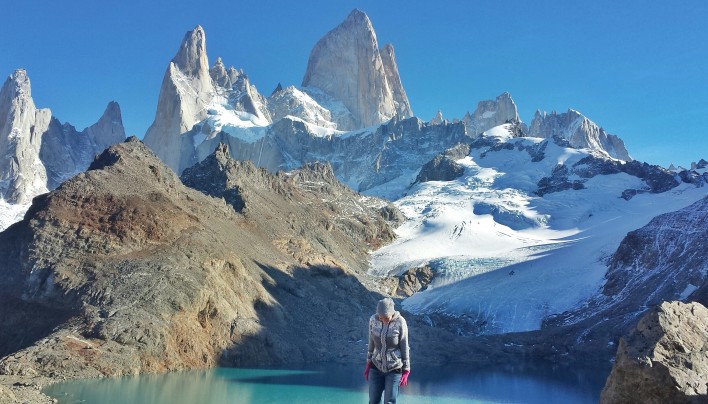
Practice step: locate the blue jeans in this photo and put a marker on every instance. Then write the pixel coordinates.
(387, 383)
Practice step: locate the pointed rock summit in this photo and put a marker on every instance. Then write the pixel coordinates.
(491, 113)
(186, 91)
(191, 58)
(348, 66)
(579, 131)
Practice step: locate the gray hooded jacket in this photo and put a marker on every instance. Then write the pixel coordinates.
(388, 343)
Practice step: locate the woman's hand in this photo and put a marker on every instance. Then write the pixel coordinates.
(404, 377)
(366, 371)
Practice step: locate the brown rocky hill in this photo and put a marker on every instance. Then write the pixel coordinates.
(123, 269)
(306, 213)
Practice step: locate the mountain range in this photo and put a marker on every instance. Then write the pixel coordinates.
(490, 230)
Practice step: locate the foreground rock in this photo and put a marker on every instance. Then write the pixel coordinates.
(665, 360)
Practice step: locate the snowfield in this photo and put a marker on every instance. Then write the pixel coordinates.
(505, 257)
(11, 213)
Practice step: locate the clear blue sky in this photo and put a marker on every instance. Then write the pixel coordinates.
(637, 68)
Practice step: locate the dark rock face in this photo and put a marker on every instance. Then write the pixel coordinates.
(413, 281)
(657, 179)
(67, 152)
(444, 166)
(558, 181)
(671, 249)
(664, 360)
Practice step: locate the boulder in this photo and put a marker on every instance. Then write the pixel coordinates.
(664, 360)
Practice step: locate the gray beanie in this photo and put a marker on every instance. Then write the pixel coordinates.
(385, 307)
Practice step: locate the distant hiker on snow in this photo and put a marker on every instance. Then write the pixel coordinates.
(388, 362)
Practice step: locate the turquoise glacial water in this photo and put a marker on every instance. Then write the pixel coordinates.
(337, 384)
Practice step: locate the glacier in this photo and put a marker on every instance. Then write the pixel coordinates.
(504, 257)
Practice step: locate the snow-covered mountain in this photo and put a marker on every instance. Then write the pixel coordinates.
(350, 84)
(37, 151)
(515, 222)
(524, 229)
(580, 131)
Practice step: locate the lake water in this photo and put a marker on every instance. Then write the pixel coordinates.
(337, 384)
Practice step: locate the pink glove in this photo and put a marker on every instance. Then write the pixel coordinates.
(366, 371)
(404, 377)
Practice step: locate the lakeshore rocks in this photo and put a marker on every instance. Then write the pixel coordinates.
(664, 360)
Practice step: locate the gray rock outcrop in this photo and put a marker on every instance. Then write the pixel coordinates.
(664, 360)
(444, 167)
(348, 66)
(491, 113)
(579, 131)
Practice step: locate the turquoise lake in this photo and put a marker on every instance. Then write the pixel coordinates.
(337, 384)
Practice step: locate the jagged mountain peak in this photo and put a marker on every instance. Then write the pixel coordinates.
(491, 113)
(358, 17)
(579, 131)
(191, 58)
(19, 82)
(277, 89)
(112, 111)
(348, 66)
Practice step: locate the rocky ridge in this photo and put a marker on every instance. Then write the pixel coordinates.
(154, 276)
(124, 270)
(298, 197)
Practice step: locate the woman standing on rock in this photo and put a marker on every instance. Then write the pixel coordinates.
(387, 364)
